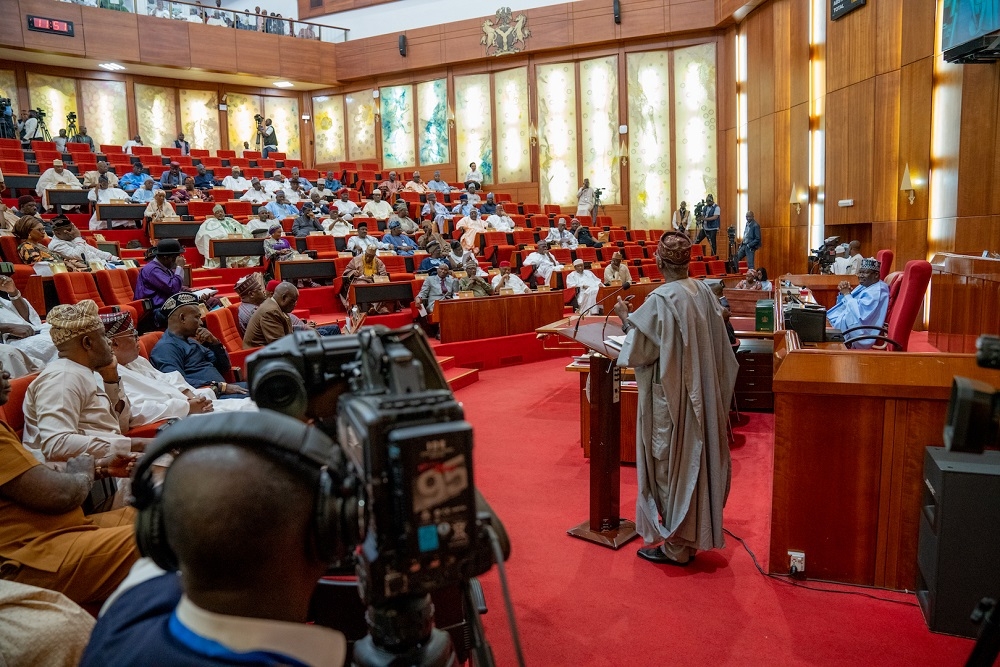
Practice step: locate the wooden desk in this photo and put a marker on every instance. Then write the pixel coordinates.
(366, 294)
(965, 301)
(223, 249)
(21, 182)
(59, 197)
(121, 211)
(182, 231)
(493, 316)
(822, 285)
(850, 429)
(314, 269)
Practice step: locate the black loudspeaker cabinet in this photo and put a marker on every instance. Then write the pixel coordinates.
(402, 45)
(617, 8)
(958, 557)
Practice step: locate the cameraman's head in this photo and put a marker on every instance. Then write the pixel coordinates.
(267, 123)
(854, 248)
(709, 199)
(240, 521)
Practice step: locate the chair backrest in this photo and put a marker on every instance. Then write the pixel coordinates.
(8, 246)
(142, 150)
(148, 341)
(13, 412)
(114, 287)
(586, 254)
(133, 276)
(321, 243)
(222, 325)
(200, 209)
(238, 208)
(77, 287)
(394, 264)
(895, 281)
(916, 276)
(884, 258)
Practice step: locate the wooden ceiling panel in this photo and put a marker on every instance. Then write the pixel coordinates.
(300, 58)
(213, 49)
(111, 35)
(256, 54)
(697, 15)
(164, 42)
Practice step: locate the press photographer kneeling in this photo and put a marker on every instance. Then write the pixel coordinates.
(369, 468)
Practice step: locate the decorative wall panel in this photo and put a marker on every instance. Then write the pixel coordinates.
(8, 89)
(200, 118)
(432, 120)
(513, 126)
(396, 104)
(242, 127)
(156, 110)
(557, 136)
(56, 95)
(284, 115)
(599, 116)
(360, 126)
(105, 111)
(328, 126)
(694, 122)
(650, 199)
(473, 124)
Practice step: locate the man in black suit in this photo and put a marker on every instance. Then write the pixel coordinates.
(582, 234)
(751, 241)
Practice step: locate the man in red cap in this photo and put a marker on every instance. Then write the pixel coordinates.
(507, 280)
(686, 373)
(172, 177)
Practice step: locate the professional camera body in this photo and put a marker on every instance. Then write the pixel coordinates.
(40, 112)
(822, 258)
(71, 117)
(258, 118)
(382, 396)
(598, 193)
(699, 213)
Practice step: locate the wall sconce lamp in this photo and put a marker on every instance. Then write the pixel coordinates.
(532, 135)
(907, 184)
(793, 199)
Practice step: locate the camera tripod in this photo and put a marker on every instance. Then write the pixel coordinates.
(598, 208)
(732, 261)
(44, 128)
(71, 128)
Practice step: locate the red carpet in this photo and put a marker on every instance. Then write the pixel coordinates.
(580, 604)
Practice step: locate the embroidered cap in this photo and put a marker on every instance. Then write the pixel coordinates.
(248, 284)
(178, 301)
(71, 320)
(117, 324)
(674, 248)
(870, 263)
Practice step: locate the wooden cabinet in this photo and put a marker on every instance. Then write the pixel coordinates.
(753, 382)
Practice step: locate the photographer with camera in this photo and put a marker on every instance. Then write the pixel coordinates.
(586, 201)
(32, 127)
(710, 216)
(266, 136)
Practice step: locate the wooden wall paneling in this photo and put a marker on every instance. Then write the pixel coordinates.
(41, 41)
(766, 69)
(850, 48)
(778, 207)
(728, 158)
(995, 204)
(214, 49)
(643, 17)
(888, 33)
(798, 169)
(551, 27)
(593, 21)
(255, 52)
(798, 51)
(462, 42)
(978, 141)
(300, 58)
(859, 161)
(755, 146)
(696, 15)
(133, 117)
(327, 54)
(766, 172)
(919, 27)
(424, 47)
(110, 35)
(10, 29)
(757, 67)
(782, 54)
(838, 162)
(916, 80)
(382, 53)
(167, 42)
(798, 247)
(910, 241)
(725, 68)
(887, 172)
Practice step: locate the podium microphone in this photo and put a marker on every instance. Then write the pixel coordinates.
(624, 287)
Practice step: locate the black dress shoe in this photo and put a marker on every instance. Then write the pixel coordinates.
(656, 555)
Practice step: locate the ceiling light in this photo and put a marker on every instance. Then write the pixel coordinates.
(112, 67)
(283, 84)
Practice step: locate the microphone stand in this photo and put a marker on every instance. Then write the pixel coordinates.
(624, 287)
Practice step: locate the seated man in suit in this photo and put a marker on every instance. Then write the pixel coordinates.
(270, 321)
(192, 350)
(436, 287)
(582, 234)
(865, 305)
(45, 540)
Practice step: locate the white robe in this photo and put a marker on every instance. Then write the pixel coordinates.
(588, 284)
(256, 196)
(348, 209)
(99, 196)
(17, 363)
(215, 229)
(236, 184)
(156, 396)
(500, 223)
(545, 265)
(513, 282)
(686, 374)
(338, 228)
(381, 210)
(39, 348)
(563, 239)
(78, 247)
(50, 179)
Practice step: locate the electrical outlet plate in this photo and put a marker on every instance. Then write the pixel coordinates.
(797, 561)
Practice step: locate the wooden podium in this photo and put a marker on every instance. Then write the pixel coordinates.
(604, 527)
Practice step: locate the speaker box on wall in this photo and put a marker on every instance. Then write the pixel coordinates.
(618, 12)
(402, 45)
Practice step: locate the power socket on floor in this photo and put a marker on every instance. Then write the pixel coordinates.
(797, 563)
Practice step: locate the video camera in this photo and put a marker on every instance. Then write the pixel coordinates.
(823, 256)
(973, 420)
(381, 395)
(598, 192)
(258, 118)
(4, 103)
(71, 117)
(39, 112)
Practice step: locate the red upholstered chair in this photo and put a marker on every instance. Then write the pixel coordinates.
(895, 281)
(72, 147)
(586, 253)
(884, 258)
(530, 209)
(147, 341)
(325, 246)
(142, 150)
(220, 154)
(116, 290)
(200, 209)
(916, 276)
(616, 235)
(170, 151)
(521, 237)
(238, 208)
(564, 255)
(551, 209)
(633, 252)
(77, 287)
(251, 155)
(199, 152)
(539, 221)
(697, 269)
(222, 325)
(222, 195)
(12, 413)
(717, 267)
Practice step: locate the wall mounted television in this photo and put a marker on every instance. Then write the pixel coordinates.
(970, 31)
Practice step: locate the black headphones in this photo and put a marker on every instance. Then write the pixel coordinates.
(267, 430)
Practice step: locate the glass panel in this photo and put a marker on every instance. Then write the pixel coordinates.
(599, 107)
(8, 90)
(328, 126)
(432, 117)
(649, 140)
(694, 118)
(105, 111)
(156, 109)
(557, 134)
(242, 126)
(56, 95)
(473, 125)
(200, 118)
(513, 128)
(360, 125)
(284, 115)
(397, 127)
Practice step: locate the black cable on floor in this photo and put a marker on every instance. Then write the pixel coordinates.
(788, 579)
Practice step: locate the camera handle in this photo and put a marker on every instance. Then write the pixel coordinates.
(987, 647)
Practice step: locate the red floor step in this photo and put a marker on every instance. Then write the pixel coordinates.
(461, 377)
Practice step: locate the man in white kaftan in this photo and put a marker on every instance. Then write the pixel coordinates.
(22, 329)
(587, 283)
(507, 280)
(53, 177)
(686, 374)
(217, 227)
(543, 261)
(500, 221)
(865, 305)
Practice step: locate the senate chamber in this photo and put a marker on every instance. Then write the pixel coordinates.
(420, 332)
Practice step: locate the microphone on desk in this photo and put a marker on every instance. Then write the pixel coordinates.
(624, 287)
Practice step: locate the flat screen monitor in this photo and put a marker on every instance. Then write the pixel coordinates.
(966, 20)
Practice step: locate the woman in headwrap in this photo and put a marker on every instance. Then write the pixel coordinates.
(276, 247)
(159, 208)
(31, 245)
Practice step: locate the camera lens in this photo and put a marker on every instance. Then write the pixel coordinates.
(277, 385)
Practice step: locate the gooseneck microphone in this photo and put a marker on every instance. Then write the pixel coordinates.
(624, 287)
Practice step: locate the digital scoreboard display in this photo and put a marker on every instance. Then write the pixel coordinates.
(51, 26)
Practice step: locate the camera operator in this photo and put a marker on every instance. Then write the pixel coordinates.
(82, 137)
(180, 143)
(751, 241)
(712, 216)
(269, 138)
(239, 521)
(32, 127)
(586, 201)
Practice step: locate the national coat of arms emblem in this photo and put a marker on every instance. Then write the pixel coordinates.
(506, 35)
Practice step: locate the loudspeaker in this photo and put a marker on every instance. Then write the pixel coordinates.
(402, 45)
(618, 12)
(959, 544)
